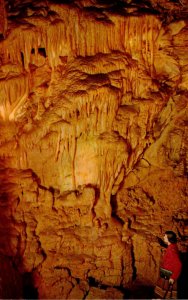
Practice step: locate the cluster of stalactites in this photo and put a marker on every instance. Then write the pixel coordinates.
(74, 34)
(13, 93)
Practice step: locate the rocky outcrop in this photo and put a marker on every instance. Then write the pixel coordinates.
(93, 141)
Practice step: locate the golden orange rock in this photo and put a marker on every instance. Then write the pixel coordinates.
(93, 142)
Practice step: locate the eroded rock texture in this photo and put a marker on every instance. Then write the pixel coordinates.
(93, 140)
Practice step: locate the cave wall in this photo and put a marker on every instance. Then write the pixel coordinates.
(93, 140)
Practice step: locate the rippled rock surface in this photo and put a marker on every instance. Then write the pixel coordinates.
(93, 142)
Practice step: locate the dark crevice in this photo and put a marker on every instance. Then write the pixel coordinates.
(113, 203)
(1, 36)
(29, 291)
(117, 218)
(58, 268)
(182, 285)
(22, 58)
(133, 264)
(42, 52)
(93, 282)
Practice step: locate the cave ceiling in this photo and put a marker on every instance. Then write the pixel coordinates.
(93, 140)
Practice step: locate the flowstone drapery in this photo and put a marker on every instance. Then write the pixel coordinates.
(93, 140)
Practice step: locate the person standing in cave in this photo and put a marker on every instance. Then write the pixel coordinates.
(170, 268)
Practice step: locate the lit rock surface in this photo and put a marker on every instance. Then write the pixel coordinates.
(93, 141)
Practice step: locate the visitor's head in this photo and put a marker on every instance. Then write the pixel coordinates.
(170, 237)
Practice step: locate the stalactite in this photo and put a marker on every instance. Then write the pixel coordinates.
(93, 102)
(14, 92)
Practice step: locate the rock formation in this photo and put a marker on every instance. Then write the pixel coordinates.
(93, 141)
